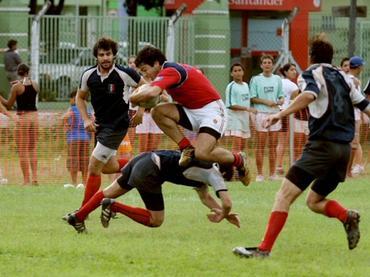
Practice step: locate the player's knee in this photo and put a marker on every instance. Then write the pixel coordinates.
(201, 154)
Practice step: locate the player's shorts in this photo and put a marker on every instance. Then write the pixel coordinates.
(323, 161)
(210, 119)
(143, 174)
(148, 126)
(78, 155)
(109, 137)
(260, 119)
(301, 126)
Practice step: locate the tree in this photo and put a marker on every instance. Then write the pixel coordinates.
(53, 10)
(131, 5)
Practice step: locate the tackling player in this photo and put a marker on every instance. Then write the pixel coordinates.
(147, 172)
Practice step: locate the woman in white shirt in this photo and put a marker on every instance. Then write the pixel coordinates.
(289, 73)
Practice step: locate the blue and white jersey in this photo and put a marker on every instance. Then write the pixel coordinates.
(109, 94)
(331, 114)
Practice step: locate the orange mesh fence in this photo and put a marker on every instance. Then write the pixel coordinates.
(51, 149)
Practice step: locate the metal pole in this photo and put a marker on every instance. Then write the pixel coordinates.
(35, 42)
(352, 28)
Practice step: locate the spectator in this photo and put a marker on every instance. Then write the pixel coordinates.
(300, 130)
(25, 92)
(4, 181)
(238, 108)
(355, 165)
(78, 142)
(344, 65)
(289, 73)
(11, 61)
(266, 95)
(136, 114)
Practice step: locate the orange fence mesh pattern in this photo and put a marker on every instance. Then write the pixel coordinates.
(51, 149)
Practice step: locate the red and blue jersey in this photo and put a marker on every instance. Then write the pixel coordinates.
(187, 85)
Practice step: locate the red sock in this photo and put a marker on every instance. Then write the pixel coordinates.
(137, 214)
(238, 160)
(274, 227)
(91, 205)
(122, 163)
(184, 143)
(92, 186)
(334, 209)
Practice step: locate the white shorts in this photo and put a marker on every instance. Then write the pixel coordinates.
(301, 126)
(103, 153)
(148, 126)
(212, 115)
(238, 133)
(260, 119)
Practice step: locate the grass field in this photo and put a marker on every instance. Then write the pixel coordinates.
(34, 241)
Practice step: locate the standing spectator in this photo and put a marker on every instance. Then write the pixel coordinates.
(136, 114)
(25, 92)
(325, 157)
(108, 85)
(266, 95)
(4, 181)
(238, 107)
(198, 107)
(300, 130)
(11, 61)
(355, 166)
(289, 73)
(344, 65)
(78, 142)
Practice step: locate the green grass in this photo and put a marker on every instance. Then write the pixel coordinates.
(34, 241)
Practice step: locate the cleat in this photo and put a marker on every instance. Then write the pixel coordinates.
(106, 212)
(250, 252)
(352, 228)
(243, 171)
(75, 223)
(187, 156)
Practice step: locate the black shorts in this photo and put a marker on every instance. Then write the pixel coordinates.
(323, 161)
(109, 137)
(144, 175)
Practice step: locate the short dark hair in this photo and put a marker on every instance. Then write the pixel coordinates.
(267, 57)
(105, 44)
(149, 55)
(345, 59)
(23, 69)
(237, 64)
(73, 94)
(321, 50)
(11, 43)
(285, 68)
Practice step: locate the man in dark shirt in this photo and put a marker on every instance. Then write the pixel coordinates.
(147, 172)
(11, 61)
(330, 96)
(108, 85)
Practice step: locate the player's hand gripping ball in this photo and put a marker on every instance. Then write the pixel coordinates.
(151, 102)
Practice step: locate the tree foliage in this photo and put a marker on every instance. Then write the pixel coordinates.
(53, 9)
(131, 5)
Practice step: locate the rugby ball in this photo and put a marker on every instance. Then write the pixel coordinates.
(149, 103)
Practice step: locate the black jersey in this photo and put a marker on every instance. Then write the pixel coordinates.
(109, 95)
(27, 100)
(331, 114)
(149, 170)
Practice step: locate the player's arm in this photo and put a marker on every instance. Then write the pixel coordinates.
(81, 98)
(217, 210)
(358, 100)
(301, 102)
(8, 103)
(262, 101)
(144, 93)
